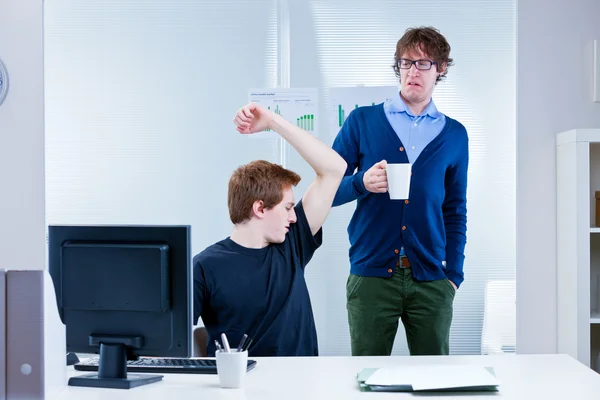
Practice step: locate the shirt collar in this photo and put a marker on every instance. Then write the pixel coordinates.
(397, 105)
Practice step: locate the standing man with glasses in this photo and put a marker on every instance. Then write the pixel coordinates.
(406, 256)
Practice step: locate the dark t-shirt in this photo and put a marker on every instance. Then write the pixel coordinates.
(259, 292)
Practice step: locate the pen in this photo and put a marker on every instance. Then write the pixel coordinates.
(247, 345)
(218, 346)
(241, 345)
(225, 343)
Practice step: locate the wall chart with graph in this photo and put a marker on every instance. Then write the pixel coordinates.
(342, 100)
(297, 105)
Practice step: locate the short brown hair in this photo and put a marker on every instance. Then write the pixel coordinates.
(430, 41)
(258, 180)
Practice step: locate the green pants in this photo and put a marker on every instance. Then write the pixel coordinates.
(376, 304)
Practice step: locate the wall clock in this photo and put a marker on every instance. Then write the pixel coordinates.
(3, 82)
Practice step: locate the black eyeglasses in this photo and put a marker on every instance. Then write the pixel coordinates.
(423, 65)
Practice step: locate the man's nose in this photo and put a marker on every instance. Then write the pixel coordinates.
(413, 70)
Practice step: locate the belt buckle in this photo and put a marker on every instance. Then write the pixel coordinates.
(400, 264)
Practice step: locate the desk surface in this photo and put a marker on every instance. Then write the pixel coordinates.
(528, 377)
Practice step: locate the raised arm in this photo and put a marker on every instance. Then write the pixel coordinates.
(327, 164)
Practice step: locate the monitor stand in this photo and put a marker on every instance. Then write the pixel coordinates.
(112, 371)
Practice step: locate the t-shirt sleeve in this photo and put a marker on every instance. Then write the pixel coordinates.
(200, 296)
(303, 242)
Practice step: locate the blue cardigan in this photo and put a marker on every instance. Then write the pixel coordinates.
(431, 225)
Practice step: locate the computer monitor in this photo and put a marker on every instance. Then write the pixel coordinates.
(123, 292)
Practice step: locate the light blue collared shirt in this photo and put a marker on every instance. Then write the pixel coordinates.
(415, 132)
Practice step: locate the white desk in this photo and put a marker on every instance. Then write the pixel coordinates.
(528, 377)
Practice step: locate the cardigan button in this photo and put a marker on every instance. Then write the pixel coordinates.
(401, 148)
(396, 251)
(389, 270)
(404, 228)
(405, 201)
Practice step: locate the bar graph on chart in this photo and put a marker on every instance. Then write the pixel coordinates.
(342, 113)
(306, 122)
(298, 106)
(276, 110)
(345, 99)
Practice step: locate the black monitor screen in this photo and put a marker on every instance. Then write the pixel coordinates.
(124, 285)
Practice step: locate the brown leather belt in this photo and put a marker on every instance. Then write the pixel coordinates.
(403, 262)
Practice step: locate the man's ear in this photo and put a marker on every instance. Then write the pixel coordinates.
(258, 209)
(441, 68)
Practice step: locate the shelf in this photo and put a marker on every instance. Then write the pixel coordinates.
(578, 295)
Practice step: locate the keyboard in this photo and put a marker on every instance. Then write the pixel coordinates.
(163, 365)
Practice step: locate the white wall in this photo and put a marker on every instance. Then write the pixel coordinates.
(134, 152)
(22, 232)
(554, 94)
(549, 100)
(320, 33)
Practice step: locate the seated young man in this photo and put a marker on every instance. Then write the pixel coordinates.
(253, 282)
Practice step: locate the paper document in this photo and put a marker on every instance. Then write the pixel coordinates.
(433, 377)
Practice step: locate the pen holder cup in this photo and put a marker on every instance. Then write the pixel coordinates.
(231, 368)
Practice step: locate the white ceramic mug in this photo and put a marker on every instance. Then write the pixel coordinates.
(398, 177)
